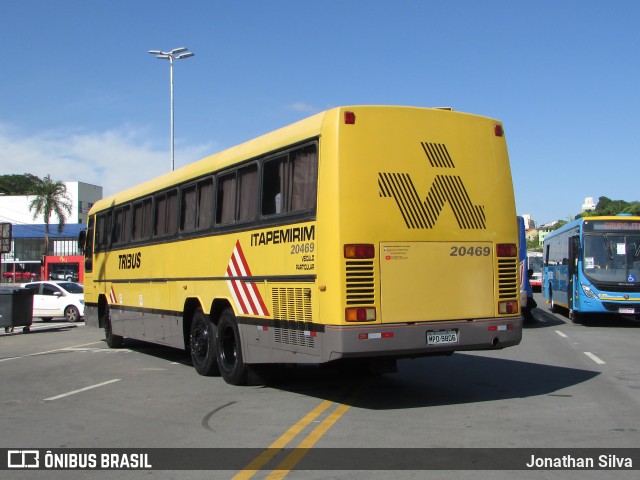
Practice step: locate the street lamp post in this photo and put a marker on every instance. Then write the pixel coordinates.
(175, 54)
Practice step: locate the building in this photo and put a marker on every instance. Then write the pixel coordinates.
(28, 234)
(15, 209)
(589, 204)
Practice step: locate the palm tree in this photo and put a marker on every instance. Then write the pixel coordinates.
(50, 198)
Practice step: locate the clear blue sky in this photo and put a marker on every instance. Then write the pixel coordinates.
(82, 99)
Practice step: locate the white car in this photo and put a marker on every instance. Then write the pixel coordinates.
(57, 299)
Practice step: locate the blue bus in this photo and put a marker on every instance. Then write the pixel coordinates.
(592, 265)
(527, 303)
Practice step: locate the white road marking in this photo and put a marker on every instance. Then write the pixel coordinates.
(48, 351)
(595, 359)
(561, 334)
(82, 389)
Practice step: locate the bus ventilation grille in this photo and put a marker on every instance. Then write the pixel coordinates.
(293, 316)
(508, 278)
(360, 283)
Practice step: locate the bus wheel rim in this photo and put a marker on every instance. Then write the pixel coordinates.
(201, 341)
(228, 350)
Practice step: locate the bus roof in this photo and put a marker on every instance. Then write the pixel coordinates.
(577, 223)
(288, 135)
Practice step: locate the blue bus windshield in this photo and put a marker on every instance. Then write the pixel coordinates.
(612, 257)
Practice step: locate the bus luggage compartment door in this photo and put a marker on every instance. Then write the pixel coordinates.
(423, 281)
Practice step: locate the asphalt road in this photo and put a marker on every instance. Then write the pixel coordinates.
(565, 386)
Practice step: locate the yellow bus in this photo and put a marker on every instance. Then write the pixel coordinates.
(369, 232)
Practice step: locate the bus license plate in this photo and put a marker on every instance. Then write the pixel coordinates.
(442, 337)
(626, 311)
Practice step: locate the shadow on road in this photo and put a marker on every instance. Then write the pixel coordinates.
(461, 378)
(430, 381)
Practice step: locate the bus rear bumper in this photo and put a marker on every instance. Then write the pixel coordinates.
(417, 339)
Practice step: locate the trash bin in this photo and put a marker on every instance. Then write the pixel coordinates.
(16, 308)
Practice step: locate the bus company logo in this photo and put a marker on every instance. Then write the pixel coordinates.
(246, 294)
(23, 459)
(418, 213)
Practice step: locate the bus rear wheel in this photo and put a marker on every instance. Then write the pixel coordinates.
(229, 350)
(202, 344)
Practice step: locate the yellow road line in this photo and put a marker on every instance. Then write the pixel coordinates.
(301, 450)
(261, 460)
(309, 441)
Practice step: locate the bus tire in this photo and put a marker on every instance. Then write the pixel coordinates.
(553, 307)
(202, 338)
(575, 317)
(229, 350)
(113, 341)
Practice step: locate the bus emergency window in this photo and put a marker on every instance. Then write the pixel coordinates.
(289, 182)
(205, 203)
(188, 208)
(142, 219)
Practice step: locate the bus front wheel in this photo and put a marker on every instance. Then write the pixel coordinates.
(229, 350)
(202, 344)
(553, 307)
(113, 341)
(575, 317)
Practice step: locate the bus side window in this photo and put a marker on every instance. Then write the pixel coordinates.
(205, 204)
(272, 180)
(226, 204)
(142, 220)
(247, 193)
(304, 178)
(289, 182)
(237, 198)
(188, 208)
(88, 246)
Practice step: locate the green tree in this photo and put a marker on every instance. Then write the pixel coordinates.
(51, 198)
(606, 206)
(18, 184)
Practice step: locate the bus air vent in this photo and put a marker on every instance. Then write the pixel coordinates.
(508, 278)
(293, 316)
(360, 282)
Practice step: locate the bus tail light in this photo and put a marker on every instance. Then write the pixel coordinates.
(349, 118)
(360, 314)
(498, 130)
(359, 251)
(510, 306)
(506, 250)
